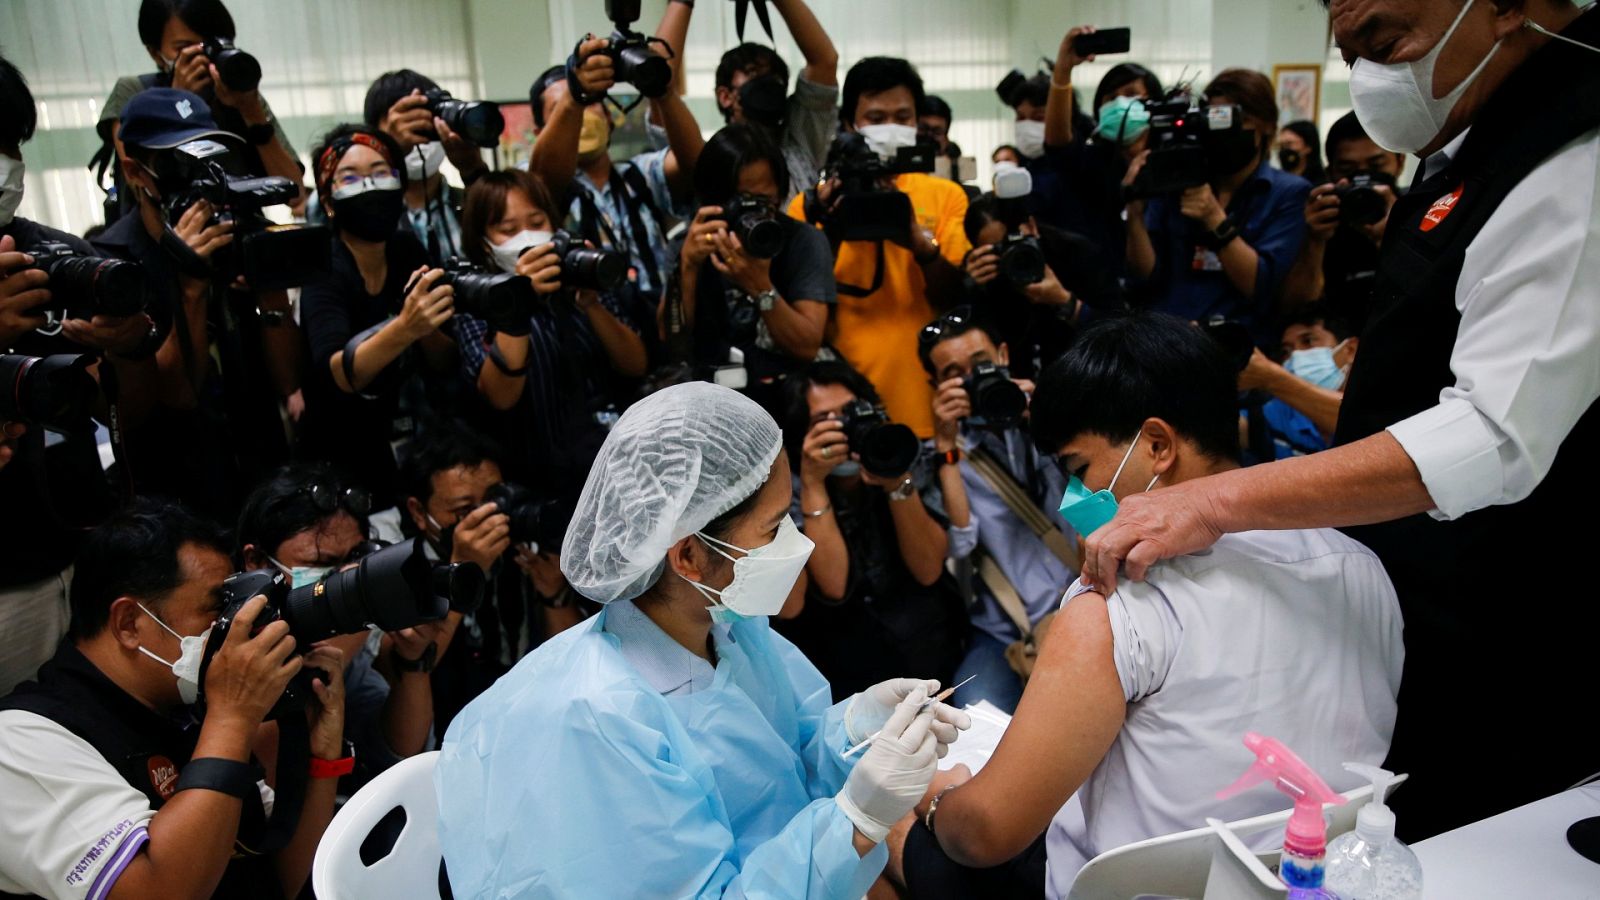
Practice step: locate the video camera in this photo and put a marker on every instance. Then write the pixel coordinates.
(866, 208)
(394, 588)
(997, 401)
(1189, 143)
(479, 121)
(886, 449)
(630, 53)
(541, 523)
(82, 287)
(1360, 203)
(269, 256)
(54, 391)
(754, 220)
(239, 70)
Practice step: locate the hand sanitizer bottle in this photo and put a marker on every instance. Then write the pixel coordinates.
(1370, 863)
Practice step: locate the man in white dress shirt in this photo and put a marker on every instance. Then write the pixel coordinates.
(1468, 435)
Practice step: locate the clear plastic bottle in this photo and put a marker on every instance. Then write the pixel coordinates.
(1370, 863)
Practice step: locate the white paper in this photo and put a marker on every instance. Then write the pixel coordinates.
(975, 745)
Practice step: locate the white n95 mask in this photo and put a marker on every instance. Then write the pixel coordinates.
(886, 140)
(1029, 137)
(191, 651)
(424, 160)
(506, 254)
(762, 578)
(1395, 101)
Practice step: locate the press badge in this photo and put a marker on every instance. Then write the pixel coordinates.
(1206, 260)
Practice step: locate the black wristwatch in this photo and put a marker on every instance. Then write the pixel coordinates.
(1222, 235)
(424, 664)
(262, 134)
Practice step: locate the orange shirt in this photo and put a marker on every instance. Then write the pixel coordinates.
(877, 334)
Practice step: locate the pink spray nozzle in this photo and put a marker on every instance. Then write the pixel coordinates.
(1289, 774)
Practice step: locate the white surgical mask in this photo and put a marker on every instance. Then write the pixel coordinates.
(1395, 101)
(11, 172)
(191, 651)
(300, 576)
(506, 254)
(1029, 138)
(424, 160)
(762, 578)
(368, 183)
(886, 140)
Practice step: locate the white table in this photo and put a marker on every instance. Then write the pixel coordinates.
(1521, 853)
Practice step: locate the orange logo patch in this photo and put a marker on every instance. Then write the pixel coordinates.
(163, 776)
(1441, 209)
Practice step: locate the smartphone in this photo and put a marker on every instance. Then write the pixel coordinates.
(1106, 40)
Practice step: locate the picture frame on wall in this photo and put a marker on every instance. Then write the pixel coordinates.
(1299, 90)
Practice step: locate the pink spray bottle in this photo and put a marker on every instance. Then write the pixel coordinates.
(1305, 842)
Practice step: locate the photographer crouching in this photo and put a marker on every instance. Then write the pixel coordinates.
(115, 781)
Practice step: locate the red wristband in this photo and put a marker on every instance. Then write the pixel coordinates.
(332, 768)
(950, 457)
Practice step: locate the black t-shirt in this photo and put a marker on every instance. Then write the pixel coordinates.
(1078, 188)
(1349, 273)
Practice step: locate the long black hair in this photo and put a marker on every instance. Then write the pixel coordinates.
(716, 175)
(1120, 76)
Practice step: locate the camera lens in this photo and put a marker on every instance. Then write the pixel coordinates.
(886, 449)
(1361, 205)
(1233, 338)
(239, 70)
(494, 297)
(50, 390)
(1021, 261)
(393, 588)
(476, 120)
(641, 68)
(755, 223)
(600, 270)
(996, 399)
(94, 286)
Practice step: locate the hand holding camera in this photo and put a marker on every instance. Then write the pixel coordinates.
(428, 305)
(700, 242)
(409, 121)
(24, 292)
(951, 404)
(1069, 56)
(192, 69)
(1322, 213)
(251, 670)
(542, 266)
(202, 231)
(1200, 204)
(596, 73)
(482, 536)
(9, 432)
(983, 264)
(749, 272)
(120, 335)
(325, 707)
(1048, 291)
(825, 447)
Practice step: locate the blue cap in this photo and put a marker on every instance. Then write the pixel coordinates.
(163, 118)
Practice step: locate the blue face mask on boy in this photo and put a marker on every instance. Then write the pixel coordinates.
(1316, 365)
(1087, 512)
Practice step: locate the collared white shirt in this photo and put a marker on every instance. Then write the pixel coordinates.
(663, 662)
(1527, 353)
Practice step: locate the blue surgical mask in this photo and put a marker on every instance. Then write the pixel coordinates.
(300, 576)
(1317, 366)
(1087, 512)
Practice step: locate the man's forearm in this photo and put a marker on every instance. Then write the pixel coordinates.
(923, 544)
(555, 153)
(1241, 264)
(956, 506)
(1304, 284)
(944, 283)
(822, 58)
(1141, 250)
(275, 157)
(793, 331)
(293, 862)
(685, 141)
(408, 713)
(1372, 480)
(674, 29)
(1318, 404)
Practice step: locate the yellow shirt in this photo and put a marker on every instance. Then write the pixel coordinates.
(877, 334)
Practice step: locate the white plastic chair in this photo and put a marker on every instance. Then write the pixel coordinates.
(1177, 864)
(411, 867)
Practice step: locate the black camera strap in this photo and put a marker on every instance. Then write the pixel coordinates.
(742, 8)
(850, 290)
(628, 183)
(293, 774)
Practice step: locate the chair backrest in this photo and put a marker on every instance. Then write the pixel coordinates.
(410, 868)
(1177, 864)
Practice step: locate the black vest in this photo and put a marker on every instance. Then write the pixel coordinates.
(146, 748)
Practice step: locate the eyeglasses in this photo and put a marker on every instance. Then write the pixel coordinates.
(956, 321)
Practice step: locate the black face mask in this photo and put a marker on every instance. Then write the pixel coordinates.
(764, 100)
(1229, 151)
(1289, 159)
(371, 215)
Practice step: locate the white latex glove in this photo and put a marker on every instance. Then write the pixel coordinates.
(872, 707)
(894, 772)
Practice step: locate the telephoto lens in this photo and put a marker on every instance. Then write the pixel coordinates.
(479, 121)
(495, 297)
(886, 449)
(997, 402)
(586, 268)
(52, 390)
(83, 287)
(239, 70)
(754, 221)
(1020, 259)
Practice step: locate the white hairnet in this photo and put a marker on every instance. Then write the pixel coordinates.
(675, 461)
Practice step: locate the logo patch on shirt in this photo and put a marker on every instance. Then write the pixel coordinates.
(1441, 209)
(163, 776)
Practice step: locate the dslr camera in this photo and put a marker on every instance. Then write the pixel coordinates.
(541, 523)
(886, 449)
(54, 391)
(495, 297)
(394, 588)
(269, 256)
(479, 121)
(997, 402)
(630, 52)
(867, 207)
(239, 70)
(586, 268)
(1360, 203)
(1020, 257)
(82, 287)
(1232, 337)
(755, 222)
(1186, 136)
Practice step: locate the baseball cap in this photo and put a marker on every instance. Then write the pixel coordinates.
(163, 118)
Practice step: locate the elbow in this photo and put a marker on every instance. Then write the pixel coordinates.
(928, 573)
(978, 842)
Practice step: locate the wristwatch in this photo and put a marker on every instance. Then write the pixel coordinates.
(1222, 235)
(423, 664)
(765, 300)
(262, 134)
(905, 491)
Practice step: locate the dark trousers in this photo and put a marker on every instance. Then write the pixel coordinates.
(931, 875)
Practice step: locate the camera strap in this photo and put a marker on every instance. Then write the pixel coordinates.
(1016, 499)
(850, 290)
(289, 792)
(742, 8)
(110, 388)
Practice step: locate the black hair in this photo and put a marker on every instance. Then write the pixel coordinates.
(1123, 370)
(1307, 131)
(1011, 147)
(716, 175)
(1346, 128)
(540, 85)
(208, 18)
(134, 553)
(874, 75)
(341, 134)
(981, 210)
(443, 446)
(934, 105)
(1035, 90)
(18, 116)
(751, 59)
(797, 406)
(387, 89)
(973, 320)
(1121, 75)
(281, 507)
(1320, 313)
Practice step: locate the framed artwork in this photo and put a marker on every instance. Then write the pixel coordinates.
(1299, 90)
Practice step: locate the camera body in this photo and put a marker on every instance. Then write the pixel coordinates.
(397, 587)
(1021, 260)
(54, 391)
(754, 220)
(1232, 337)
(269, 256)
(997, 401)
(1184, 135)
(886, 449)
(585, 268)
(479, 121)
(867, 209)
(495, 297)
(82, 287)
(630, 53)
(541, 523)
(239, 70)
(1360, 203)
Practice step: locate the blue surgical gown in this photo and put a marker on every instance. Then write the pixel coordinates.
(573, 777)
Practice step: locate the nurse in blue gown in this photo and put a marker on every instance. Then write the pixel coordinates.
(674, 745)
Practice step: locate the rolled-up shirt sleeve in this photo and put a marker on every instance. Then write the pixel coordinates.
(1527, 352)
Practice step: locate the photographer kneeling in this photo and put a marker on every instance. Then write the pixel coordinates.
(1000, 495)
(115, 782)
(749, 278)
